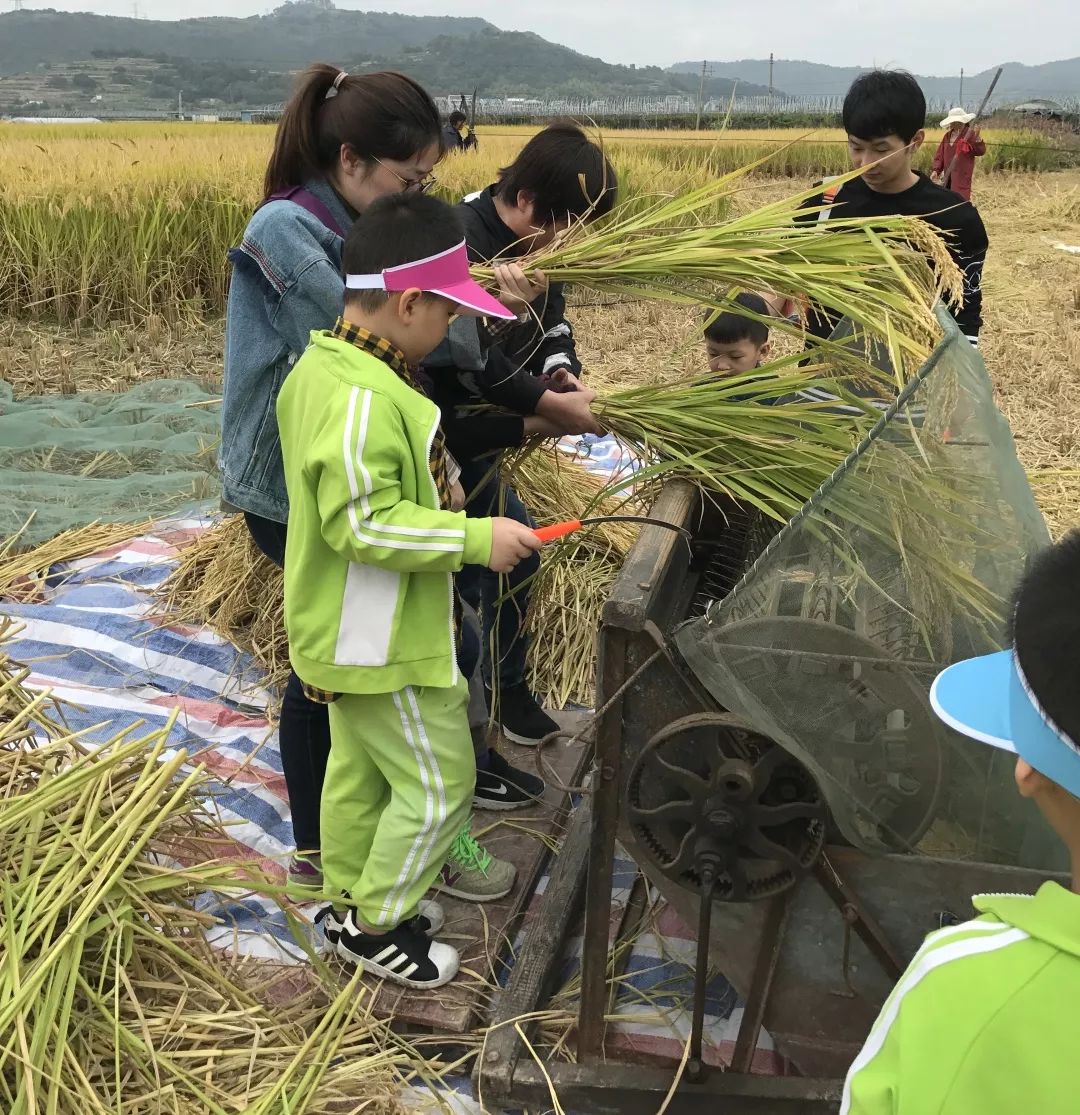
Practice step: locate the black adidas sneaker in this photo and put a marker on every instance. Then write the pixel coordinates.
(428, 920)
(501, 787)
(404, 955)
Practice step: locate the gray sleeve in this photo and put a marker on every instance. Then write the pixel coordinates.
(461, 349)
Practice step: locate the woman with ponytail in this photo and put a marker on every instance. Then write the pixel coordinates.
(344, 141)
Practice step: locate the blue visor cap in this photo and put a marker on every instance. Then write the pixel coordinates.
(989, 700)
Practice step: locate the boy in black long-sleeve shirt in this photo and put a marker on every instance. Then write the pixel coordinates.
(530, 371)
(884, 114)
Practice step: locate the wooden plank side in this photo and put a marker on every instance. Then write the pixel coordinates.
(656, 549)
(540, 953)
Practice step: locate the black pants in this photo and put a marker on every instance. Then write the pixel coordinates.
(304, 725)
(505, 639)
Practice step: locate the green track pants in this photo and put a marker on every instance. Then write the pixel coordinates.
(398, 789)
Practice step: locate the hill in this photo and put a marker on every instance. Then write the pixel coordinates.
(63, 61)
(508, 63)
(1056, 80)
(288, 38)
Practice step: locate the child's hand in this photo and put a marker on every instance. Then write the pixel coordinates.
(511, 542)
(561, 380)
(517, 291)
(570, 410)
(457, 496)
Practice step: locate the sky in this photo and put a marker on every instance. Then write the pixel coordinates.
(925, 36)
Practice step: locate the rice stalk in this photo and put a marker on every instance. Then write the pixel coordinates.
(567, 595)
(876, 272)
(110, 998)
(23, 571)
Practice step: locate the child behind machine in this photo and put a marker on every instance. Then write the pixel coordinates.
(735, 344)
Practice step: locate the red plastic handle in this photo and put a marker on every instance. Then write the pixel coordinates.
(557, 530)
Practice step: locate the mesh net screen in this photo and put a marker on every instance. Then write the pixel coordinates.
(903, 563)
(69, 460)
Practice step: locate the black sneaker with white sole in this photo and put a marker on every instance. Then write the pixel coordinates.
(404, 955)
(501, 787)
(518, 711)
(428, 920)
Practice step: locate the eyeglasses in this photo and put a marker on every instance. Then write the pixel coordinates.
(422, 185)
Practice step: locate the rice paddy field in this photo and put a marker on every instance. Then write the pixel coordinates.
(113, 241)
(113, 245)
(124, 222)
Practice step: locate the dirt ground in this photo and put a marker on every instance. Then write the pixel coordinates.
(1030, 340)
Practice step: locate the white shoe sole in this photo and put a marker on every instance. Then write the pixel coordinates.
(479, 899)
(522, 741)
(372, 969)
(494, 805)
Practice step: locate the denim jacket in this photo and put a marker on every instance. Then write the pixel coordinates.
(286, 282)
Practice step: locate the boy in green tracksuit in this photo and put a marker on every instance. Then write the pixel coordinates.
(370, 606)
(984, 1020)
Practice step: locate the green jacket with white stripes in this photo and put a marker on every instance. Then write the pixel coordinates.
(984, 1021)
(369, 555)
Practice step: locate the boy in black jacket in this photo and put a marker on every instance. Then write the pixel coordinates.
(884, 114)
(530, 371)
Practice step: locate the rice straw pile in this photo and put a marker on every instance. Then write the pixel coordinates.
(227, 584)
(576, 575)
(110, 998)
(23, 570)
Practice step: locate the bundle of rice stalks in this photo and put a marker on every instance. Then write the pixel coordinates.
(875, 272)
(110, 998)
(226, 583)
(747, 437)
(575, 576)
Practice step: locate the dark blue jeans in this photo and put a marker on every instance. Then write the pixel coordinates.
(505, 641)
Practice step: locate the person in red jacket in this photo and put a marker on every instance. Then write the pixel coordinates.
(966, 147)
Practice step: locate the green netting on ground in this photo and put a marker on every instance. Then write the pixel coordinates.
(904, 562)
(69, 460)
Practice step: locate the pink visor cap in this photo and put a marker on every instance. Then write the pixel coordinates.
(445, 274)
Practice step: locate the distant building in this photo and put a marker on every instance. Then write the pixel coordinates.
(54, 120)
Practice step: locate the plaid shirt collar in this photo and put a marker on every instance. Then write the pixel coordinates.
(376, 346)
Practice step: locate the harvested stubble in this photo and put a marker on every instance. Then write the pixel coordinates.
(110, 998)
